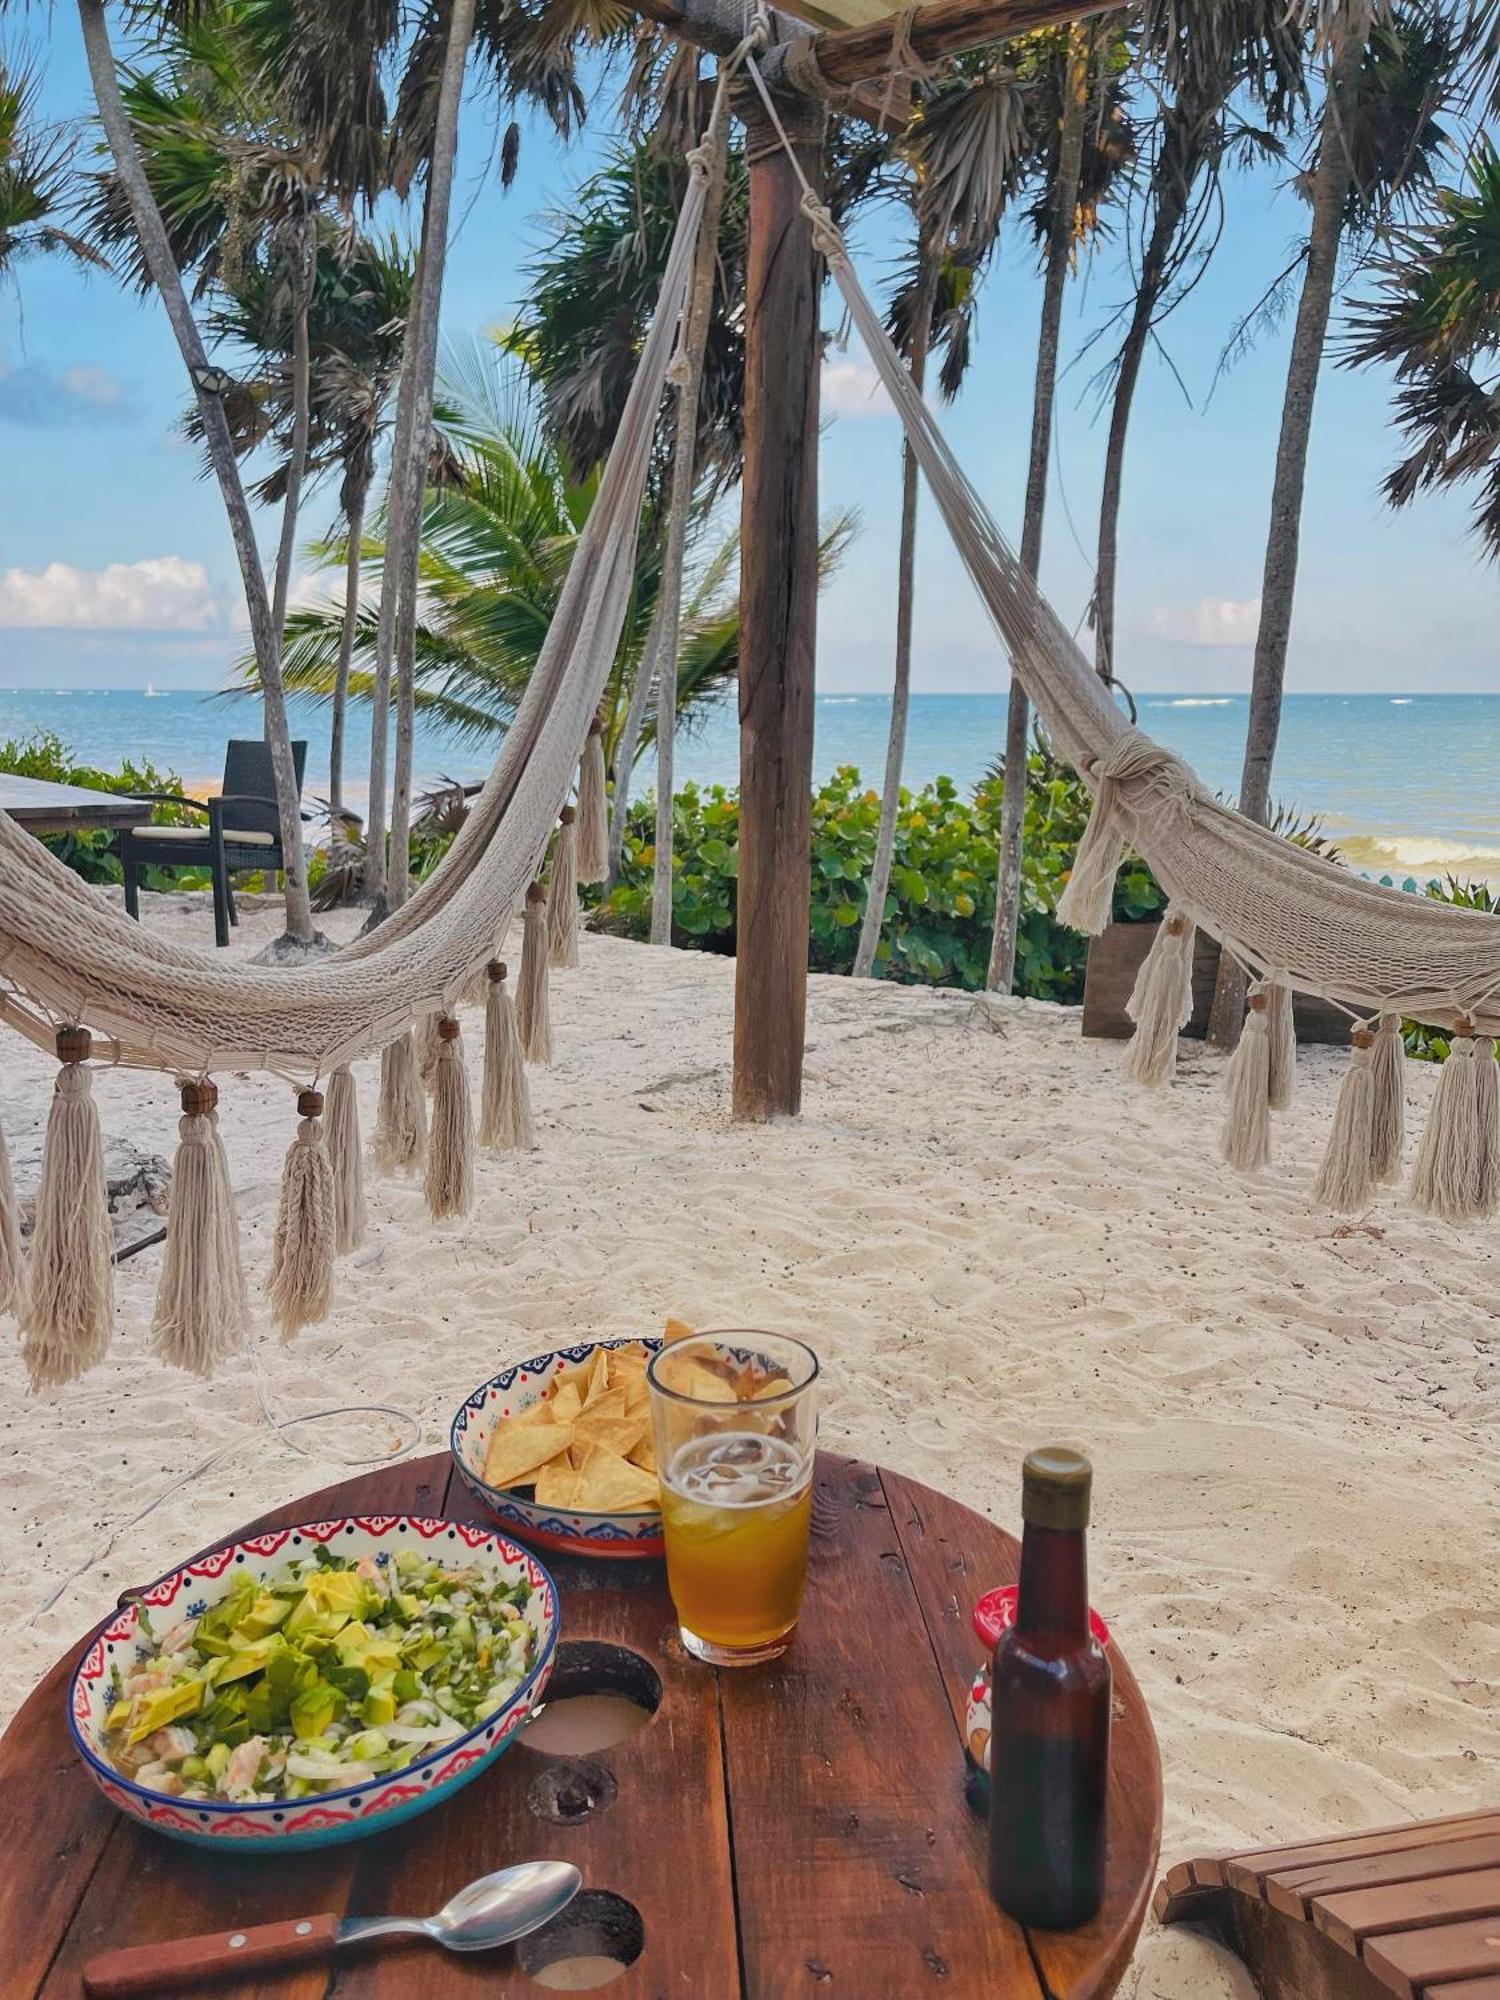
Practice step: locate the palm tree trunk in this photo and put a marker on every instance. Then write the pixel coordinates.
(356, 487)
(679, 507)
(412, 472)
(1330, 191)
(264, 633)
(296, 464)
(630, 737)
(906, 566)
(1002, 966)
(376, 809)
(1172, 185)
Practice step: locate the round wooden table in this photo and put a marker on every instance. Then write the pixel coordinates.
(788, 1830)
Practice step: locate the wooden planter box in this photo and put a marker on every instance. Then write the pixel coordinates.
(1115, 959)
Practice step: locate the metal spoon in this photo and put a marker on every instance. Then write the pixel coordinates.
(493, 1911)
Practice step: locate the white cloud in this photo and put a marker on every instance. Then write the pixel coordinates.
(32, 395)
(93, 385)
(161, 594)
(852, 387)
(1212, 621)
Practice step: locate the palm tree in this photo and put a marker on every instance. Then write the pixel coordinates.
(1377, 145)
(1086, 72)
(1209, 59)
(35, 178)
(1435, 318)
(220, 151)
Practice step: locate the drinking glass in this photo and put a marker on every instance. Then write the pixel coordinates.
(736, 1422)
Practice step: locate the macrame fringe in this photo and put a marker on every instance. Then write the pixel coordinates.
(1245, 1137)
(505, 1103)
(1448, 1177)
(428, 1048)
(450, 1144)
(12, 1271)
(562, 895)
(593, 809)
(1346, 1178)
(69, 1306)
(302, 1253)
(201, 1302)
(533, 1010)
(1161, 1002)
(346, 1157)
(401, 1115)
(1281, 1046)
(1387, 1099)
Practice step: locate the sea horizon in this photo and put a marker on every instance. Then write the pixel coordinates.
(1403, 783)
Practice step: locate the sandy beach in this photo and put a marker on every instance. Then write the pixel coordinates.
(993, 1241)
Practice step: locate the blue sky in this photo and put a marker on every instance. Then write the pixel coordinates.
(116, 569)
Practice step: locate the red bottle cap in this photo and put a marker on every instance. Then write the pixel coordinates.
(996, 1613)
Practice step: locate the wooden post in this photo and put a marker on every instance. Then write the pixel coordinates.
(778, 613)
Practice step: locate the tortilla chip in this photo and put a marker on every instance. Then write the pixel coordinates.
(778, 1385)
(517, 1449)
(644, 1454)
(675, 1329)
(609, 1484)
(601, 1407)
(627, 1364)
(595, 1375)
(621, 1434)
(556, 1483)
(566, 1402)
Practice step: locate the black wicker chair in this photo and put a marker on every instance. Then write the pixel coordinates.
(243, 831)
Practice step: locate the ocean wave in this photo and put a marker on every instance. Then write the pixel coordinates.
(1197, 701)
(837, 700)
(1419, 854)
(1400, 701)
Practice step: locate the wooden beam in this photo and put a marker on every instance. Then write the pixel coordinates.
(853, 55)
(778, 614)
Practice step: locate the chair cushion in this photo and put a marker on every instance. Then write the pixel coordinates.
(194, 834)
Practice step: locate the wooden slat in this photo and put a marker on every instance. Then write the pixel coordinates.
(859, 1870)
(1413, 1962)
(1410, 1906)
(1291, 1890)
(950, 1570)
(1247, 1871)
(1465, 1989)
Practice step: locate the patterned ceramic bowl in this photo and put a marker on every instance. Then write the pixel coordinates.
(994, 1614)
(282, 1826)
(632, 1535)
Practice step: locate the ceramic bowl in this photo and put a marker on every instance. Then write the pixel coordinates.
(631, 1535)
(282, 1826)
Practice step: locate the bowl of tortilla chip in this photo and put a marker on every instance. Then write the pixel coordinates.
(560, 1449)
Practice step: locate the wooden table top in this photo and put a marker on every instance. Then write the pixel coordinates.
(42, 807)
(781, 1830)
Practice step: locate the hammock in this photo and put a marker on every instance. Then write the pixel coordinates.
(70, 966)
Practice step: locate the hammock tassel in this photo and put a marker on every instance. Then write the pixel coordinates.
(1345, 1180)
(1281, 1045)
(1245, 1139)
(401, 1116)
(346, 1157)
(1487, 1104)
(70, 1291)
(533, 1012)
(450, 1148)
(505, 1107)
(1387, 1099)
(12, 1271)
(428, 1048)
(1161, 1002)
(1447, 1178)
(562, 895)
(302, 1254)
(201, 1305)
(593, 809)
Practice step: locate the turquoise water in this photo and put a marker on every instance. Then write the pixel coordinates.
(1407, 783)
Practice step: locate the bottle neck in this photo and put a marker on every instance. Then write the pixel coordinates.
(1054, 1599)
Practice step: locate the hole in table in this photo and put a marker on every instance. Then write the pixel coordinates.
(566, 1793)
(598, 1695)
(595, 1939)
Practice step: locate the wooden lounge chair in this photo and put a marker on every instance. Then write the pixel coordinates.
(243, 831)
(1407, 1910)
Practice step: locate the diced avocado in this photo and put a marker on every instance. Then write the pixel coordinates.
(379, 1706)
(367, 1746)
(409, 1603)
(164, 1705)
(428, 1654)
(406, 1686)
(217, 1760)
(264, 1616)
(193, 1767)
(462, 1632)
(117, 1714)
(242, 1661)
(315, 1710)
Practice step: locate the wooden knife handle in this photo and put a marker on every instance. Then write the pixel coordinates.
(146, 1968)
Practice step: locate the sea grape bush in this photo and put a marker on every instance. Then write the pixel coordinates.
(940, 908)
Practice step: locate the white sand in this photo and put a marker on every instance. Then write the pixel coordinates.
(993, 1241)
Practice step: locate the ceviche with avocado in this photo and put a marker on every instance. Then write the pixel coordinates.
(324, 1677)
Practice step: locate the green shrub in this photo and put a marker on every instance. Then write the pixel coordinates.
(941, 903)
(91, 853)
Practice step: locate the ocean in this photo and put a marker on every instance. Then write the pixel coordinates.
(1406, 784)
